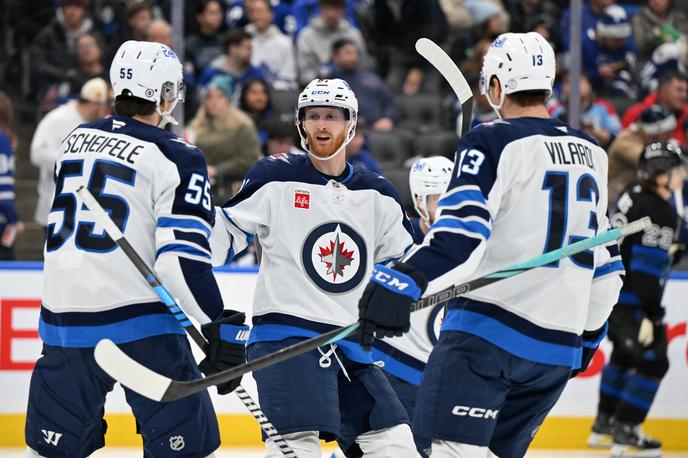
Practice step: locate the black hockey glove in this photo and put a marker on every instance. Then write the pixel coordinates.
(226, 346)
(385, 307)
(591, 340)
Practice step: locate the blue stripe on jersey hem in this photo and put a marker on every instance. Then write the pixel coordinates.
(475, 227)
(182, 223)
(517, 323)
(121, 332)
(277, 332)
(615, 266)
(626, 396)
(510, 340)
(105, 317)
(397, 368)
(177, 247)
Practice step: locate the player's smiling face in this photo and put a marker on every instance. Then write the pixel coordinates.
(326, 129)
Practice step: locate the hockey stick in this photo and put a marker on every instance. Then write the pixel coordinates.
(115, 234)
(160, 388)
(448, 69)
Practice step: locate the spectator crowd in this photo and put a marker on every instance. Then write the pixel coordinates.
(245, 61)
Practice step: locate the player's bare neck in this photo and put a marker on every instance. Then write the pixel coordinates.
(511, 110)
(152, 119)
(424, 226)
(334, 167)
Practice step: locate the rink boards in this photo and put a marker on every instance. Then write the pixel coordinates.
(567, 427)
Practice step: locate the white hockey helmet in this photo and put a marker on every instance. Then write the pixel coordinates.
(327, 93)
(149, 71)
(521, 62)
(429, 176)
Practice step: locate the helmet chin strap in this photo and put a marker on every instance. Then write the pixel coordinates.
(166, 117)
(495, 107)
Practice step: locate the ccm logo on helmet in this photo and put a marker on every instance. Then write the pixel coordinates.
(389, 280)
(475, 412)
(320, 92)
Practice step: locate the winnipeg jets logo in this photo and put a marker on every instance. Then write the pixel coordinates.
(51, 437)
(117, 124)
(334, 257)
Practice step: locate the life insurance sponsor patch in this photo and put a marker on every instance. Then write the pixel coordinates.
(334, 256)
(302, 198)
(434, 323)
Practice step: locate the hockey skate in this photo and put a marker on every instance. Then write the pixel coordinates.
(601, 435)
(629, 440)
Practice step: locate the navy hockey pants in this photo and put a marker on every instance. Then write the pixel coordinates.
(473, 392)
(67, 399)
(300, 395)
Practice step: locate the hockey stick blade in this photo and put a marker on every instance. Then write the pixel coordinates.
(160, 388)
(130, 373)
(448, 69)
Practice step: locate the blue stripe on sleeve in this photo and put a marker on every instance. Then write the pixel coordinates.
(177, 247)
(464, 196)
(604, 269)
(466, 211)
(249, 236)
(475, 227)
(183, 223)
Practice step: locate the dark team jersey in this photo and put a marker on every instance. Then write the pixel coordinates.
(646, 254)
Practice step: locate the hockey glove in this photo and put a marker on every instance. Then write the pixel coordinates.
(226, 346)
(385, 307)
(591, 340)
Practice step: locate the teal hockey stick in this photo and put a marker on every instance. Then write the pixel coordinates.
(160, 388)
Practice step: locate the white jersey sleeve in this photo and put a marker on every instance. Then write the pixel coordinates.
(606, 284)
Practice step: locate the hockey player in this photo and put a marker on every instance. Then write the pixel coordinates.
(521, 186)
(404, 357)
(322, 225)
(639, 359)
(155, 188)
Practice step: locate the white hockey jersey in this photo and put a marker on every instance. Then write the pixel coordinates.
(320, 239)
(405, 357)
(155, 188)
(521, 188)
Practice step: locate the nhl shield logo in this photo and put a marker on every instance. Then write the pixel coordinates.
(334, 257)
(177, 443)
